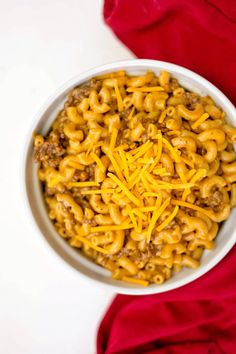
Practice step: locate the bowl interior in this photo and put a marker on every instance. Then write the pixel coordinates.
(227, 234)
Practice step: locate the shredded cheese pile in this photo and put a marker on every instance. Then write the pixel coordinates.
(138, 175)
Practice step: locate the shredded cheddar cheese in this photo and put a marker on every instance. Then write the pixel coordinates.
(174, 186)
(184, 181)
(98, 144)
(174, 154)
(135, 281)
(145, 89)
(160, 172)
(140, 224)
(55, 180)
(131, 113)
(162, 116)
(137, 176)
(118, 73)
(98, 191)
(185, 194)
(199, 174)
(132, 217)
(182, 177)
(134, 178)
(76, 165)
(113, 138)
(158, 156)
(146, 184)
(83, 184)
(159, 184)
(168, 220)
(133, 199)
(191, 206)
(190, 174)
(157, 213)
(90, 148)
(91, 245)
(138, 149)
(151, 194)
(111, 228)
(98, 161)
(147, 209)
(158, 201)
(141, 152)
(200, 120)
(122, 146)
(139, 213)
(187, 162)
(146, 160)
(115, 165)
(118, 96)
(124, 163)
(173, 132)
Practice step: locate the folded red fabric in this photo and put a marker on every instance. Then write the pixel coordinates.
(197, 318)
(200, 317)
(197, 34)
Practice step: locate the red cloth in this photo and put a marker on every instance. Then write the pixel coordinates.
(197, 34)
(198, 318)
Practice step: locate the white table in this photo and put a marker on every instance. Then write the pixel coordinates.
(44, 307)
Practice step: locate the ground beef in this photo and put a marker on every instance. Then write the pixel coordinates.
(69, 101)
(49, 153)
(151, 251)
(63, 141)
(191, 99)
(62, 119)
(80, 176)
(90, 170)
(154, 82)
(124, 114)
(144, 138)
(89, 222)
(113, 106)
(49, 191)
(201, 151)
(124, 252)
(174, 84)
(81, 200)
(79, 93)
(215, 199)
(95, 84)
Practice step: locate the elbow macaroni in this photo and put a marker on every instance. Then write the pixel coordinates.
(138, 174)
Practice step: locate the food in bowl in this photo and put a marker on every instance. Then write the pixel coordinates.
(138, 173)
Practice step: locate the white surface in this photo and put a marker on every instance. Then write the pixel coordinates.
(44, 307)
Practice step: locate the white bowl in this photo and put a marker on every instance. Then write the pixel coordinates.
(33, 194)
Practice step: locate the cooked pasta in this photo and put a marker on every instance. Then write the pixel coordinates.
(138, 173)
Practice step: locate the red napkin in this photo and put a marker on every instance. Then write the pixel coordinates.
(199, 318)
(197, 34)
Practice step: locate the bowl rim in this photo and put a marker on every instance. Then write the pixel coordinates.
(131, 63)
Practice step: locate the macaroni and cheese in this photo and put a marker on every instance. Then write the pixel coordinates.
(138, 173)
